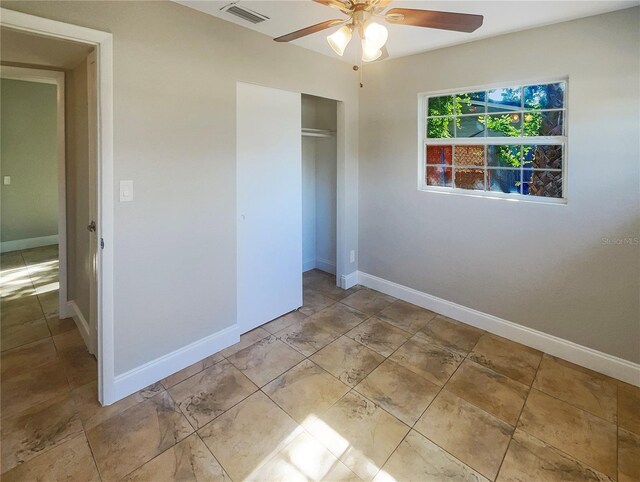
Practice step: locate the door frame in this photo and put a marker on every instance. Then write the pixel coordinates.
(56, 78)
(103, 44)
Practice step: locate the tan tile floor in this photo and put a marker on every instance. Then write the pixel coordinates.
(354, 386)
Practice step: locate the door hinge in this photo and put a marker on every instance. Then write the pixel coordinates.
(101, 243)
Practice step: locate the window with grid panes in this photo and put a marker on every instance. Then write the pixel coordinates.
(501, 142)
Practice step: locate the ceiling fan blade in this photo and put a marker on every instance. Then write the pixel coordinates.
(309, 30)
(382, 4)
(460, 22)
(342, 6)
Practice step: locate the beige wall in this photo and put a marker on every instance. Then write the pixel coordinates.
(541, 266)
(175, 74)
(77, 175)
(29, 156)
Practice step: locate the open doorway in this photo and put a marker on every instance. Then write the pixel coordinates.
(49, 201)
(319, 187)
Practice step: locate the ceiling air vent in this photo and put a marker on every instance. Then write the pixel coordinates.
(244, 13)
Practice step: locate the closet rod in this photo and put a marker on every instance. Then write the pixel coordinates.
(316, 132)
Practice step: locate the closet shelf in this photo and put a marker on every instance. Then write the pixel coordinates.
(306, 132)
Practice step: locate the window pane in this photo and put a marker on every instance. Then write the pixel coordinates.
(438, 176)
(470, 126)
(504, 100)
(543, 157)
(504, 156)
(469, 178)
(504, 125)
(440, 105)
(542, 183)
(469, 155)
(471, 103)
(504, 180)
(440, 127)
(544, 96)
(439, 155)
(543, 123)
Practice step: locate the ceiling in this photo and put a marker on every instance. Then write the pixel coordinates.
(29, 49)
(500, 17)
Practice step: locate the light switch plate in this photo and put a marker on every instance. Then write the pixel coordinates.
(126, 191)
(6, 180)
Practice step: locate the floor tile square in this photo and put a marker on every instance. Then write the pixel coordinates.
(32, 387)
(304, 459)
(283, 322)
(189, 459)
(339, 318)
(191, 370)
(499, 395)
(21, 333)
(38, 429)
(20, 310)
(347, 360)
(129, 439)
(307, 336)
(379, 336)
(211, 392)
(50, 302)
(628, 403)
(504, 356)
(246, 339)
(427, 359)
(399, 391)
(581, 435)
(368, 301)
(69, 461)
(80, 366)
(92, 412)
(27, 357)
(248, 435)
(628, 456)
(361, 434)
(325, 283)
(265, 360)
(406, 316)
(314, 301)
(58, 326)
(531, 459)
(595, 394)
(472, 435)
(452, 334)
(305, 392)
(418, 458)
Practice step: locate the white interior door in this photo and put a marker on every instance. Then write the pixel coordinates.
(269, 203)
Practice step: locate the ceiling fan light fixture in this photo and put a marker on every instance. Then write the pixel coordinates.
(340, 39)
(375, 34)
(370, 52)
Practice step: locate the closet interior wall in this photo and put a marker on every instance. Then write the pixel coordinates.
(319, 183)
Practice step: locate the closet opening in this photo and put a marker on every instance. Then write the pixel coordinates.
(319, 184)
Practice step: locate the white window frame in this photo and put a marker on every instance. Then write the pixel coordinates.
(424, 141)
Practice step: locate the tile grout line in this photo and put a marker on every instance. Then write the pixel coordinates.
(504, 456)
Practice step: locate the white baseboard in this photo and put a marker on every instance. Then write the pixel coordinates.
(73, 310)
(581, 355)
(18, 244)
(65, 310)
(326, 265)
(308, 265)
(349, 280)
(155, 370)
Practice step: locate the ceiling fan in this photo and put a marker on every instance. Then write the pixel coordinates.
(362, 16)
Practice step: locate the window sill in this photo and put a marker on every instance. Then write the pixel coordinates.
(518, 198)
